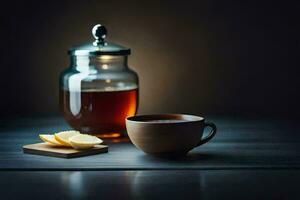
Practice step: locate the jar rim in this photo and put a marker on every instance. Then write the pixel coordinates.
(108, 49)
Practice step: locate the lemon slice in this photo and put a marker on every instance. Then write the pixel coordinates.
(50, 139)
(63, 137)
(84, 141)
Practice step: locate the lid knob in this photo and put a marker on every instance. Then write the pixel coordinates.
(99, 32)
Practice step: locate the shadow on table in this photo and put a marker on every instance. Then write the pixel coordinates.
(189, 158)
(201, 159)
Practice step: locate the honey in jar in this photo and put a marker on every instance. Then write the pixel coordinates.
(98, 91)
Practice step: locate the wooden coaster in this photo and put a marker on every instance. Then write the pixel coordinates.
(62, 152)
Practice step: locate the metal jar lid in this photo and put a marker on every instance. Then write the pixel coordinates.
(100, 46)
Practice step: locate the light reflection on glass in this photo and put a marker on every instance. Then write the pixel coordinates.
(104, 66)
(106, 57)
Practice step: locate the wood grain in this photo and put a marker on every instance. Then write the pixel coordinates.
(135, 185)
(62, 152)
(241, 143)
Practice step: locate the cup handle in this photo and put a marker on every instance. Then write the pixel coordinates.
(211, 134)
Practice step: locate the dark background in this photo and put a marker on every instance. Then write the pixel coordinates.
(200, 56)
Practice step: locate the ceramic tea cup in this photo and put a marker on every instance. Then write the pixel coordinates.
(168, 134)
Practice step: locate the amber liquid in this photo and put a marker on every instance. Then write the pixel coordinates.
(100, 113)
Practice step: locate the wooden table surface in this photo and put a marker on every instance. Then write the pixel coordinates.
(249, 157)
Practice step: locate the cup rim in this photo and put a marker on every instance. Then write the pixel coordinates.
(144, 119)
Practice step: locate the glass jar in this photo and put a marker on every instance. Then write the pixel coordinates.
(98, 91)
